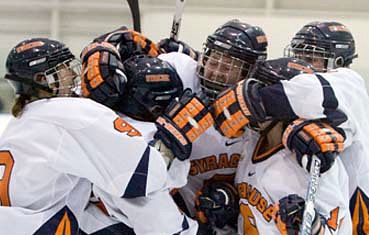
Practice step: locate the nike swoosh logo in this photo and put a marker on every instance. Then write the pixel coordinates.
(229, 143)
(251, 173)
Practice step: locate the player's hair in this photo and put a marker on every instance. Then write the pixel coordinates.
(19, 104)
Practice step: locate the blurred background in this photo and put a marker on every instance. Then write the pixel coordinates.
(77, 22)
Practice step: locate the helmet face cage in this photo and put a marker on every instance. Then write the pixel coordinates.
(155, 101)
(218, 70)
(321, 59)
(64, 79)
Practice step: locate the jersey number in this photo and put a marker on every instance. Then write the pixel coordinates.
(249, 222)
(6, 166)
(124, 127)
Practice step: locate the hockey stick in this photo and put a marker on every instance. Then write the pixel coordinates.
(177, 19)
(135, 12)
(309, 212)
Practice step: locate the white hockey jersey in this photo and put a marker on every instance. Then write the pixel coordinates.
(265, 176)
(341, 97)
(214, 157)
(52, 155)
(178, 170)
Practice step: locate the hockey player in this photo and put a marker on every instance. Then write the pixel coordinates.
(330, 47)
(59, 146)
(269, 159)
(151, 84)
(229, 55)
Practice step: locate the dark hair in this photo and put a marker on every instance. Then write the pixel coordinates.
(19, 104)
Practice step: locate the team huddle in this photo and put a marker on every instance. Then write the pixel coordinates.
(149, 138)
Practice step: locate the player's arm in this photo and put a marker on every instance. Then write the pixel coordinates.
(113, 155)
(155, 214)
(304, 97)
(313, 97)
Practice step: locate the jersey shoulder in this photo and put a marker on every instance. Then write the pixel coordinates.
(185, 67)
(70, 113)
(147, 129)
(345, 73)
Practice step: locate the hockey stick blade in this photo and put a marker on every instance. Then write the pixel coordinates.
(135, 12)
(309, 212)
(177, 19)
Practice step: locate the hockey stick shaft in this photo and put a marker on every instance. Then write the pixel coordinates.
(135, 12)
(177, 19)
(309, 211)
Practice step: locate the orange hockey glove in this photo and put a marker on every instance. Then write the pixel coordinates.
(182, 123)
(238, 107)
(313, 137)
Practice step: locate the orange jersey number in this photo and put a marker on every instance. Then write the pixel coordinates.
(6, 166)
(124, 127)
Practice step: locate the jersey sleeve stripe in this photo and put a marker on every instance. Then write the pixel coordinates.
(185, 226)
(330, 103)
(276, 103)
(137, 184)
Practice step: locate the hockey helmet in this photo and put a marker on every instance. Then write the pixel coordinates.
(43, 64)
(229, 56)
(327, 45)
(152, 85)
(273, 71)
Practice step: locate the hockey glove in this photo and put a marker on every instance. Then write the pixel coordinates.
(313, 137)
(238, 107)
(129, 43)
(169, 45)
(217, 205)
(182, 123)
(102, 76)
(288, 215)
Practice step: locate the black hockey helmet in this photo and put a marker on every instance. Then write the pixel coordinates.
(229, 55)
(152, 85)
(35, 64)
(331, 42)
(273, 71)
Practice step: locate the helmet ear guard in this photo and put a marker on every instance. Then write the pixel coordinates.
(339, 62)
